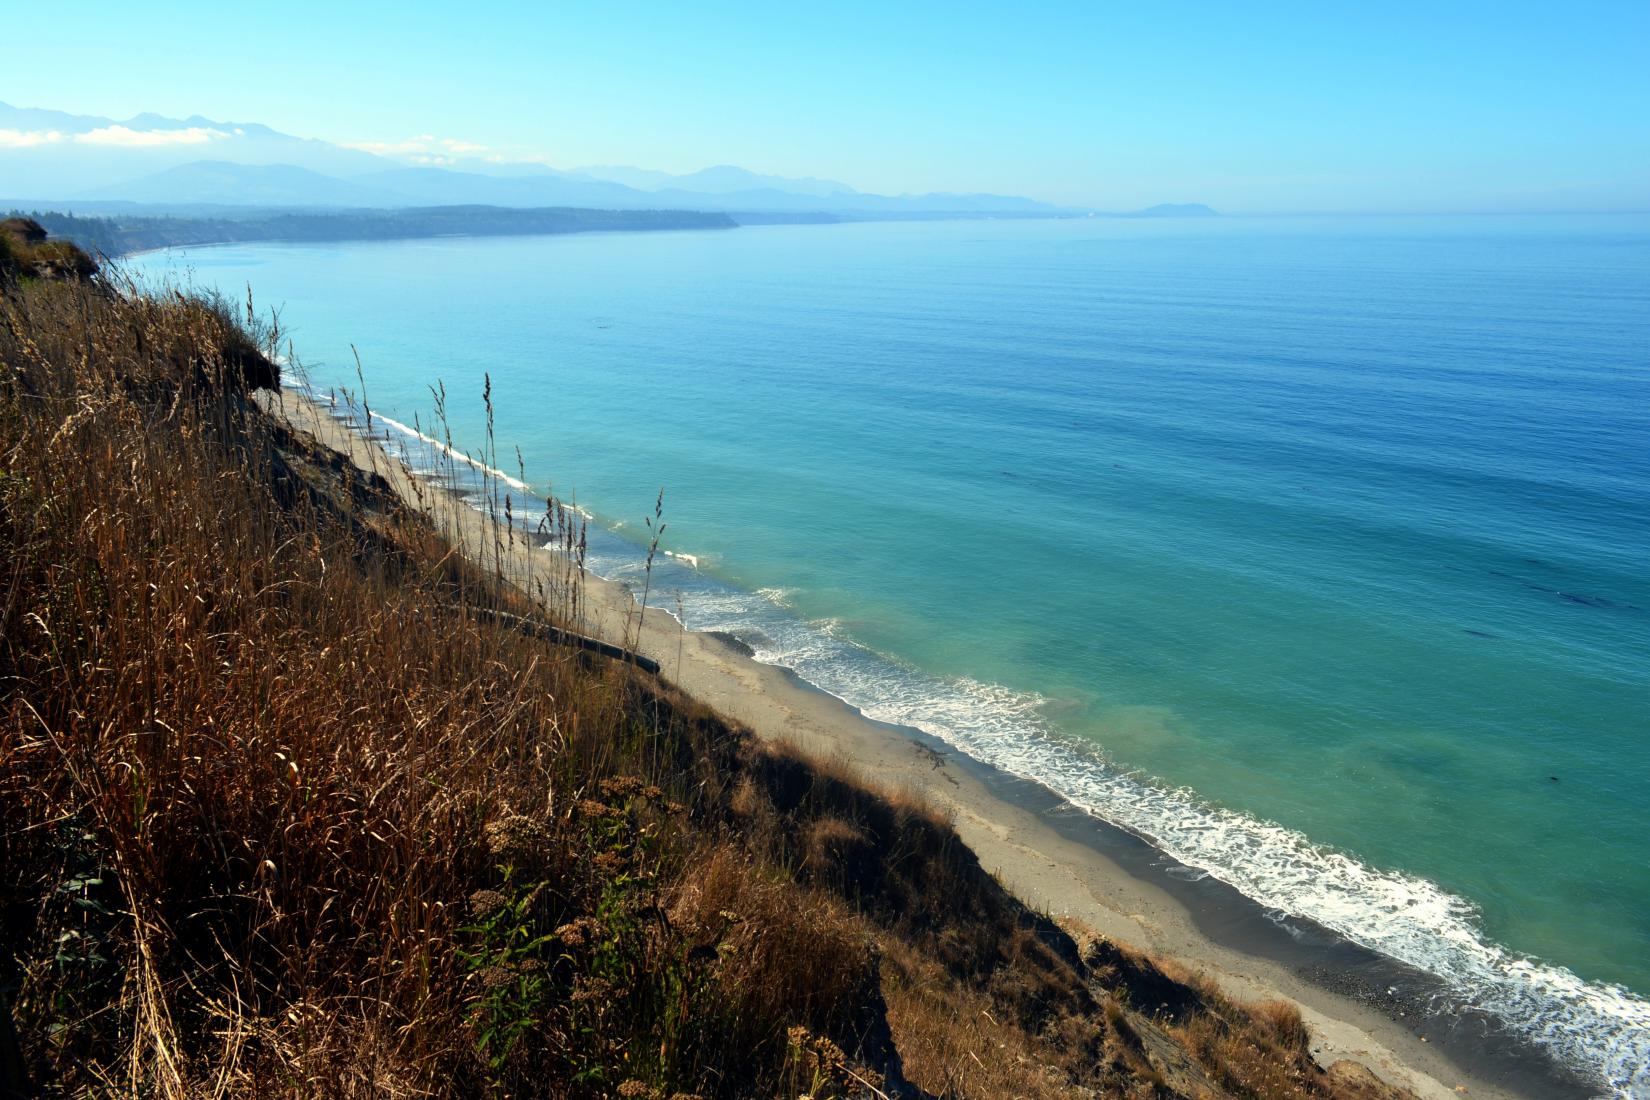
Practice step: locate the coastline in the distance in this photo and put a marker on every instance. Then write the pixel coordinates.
(988, 721)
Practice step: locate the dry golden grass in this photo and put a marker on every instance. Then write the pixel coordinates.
(954, 1045)
(289, 810)
(26, 253)
(267, 754)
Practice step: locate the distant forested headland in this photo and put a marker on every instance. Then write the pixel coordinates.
(119, 234)
(119, 228)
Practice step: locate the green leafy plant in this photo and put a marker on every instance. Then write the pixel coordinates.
(505, 962)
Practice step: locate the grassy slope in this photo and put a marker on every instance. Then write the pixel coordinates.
(286, 812)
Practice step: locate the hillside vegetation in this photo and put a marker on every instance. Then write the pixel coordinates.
(26, 253)
(289, 809)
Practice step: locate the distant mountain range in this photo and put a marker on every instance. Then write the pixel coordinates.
(65, 160)
(53, 156)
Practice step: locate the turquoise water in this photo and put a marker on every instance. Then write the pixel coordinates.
(1317, 550)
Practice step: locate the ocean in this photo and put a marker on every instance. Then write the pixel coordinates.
(1316, 550)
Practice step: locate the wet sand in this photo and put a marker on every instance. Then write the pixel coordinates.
(1067, 863)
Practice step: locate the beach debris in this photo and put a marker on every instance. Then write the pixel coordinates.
(935, 758)
(559, 636)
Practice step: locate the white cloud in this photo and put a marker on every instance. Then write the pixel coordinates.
(387, 148)
(421, 148)
(25, 139)
(121, 135)
(110, 135)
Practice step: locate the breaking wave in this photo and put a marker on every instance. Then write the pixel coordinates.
(1599, 1031)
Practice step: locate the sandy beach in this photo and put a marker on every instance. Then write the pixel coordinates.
(1054, 858)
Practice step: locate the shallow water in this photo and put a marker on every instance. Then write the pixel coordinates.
(1314, 549)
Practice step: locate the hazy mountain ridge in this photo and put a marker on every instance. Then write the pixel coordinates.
(209, 181)
(720, 179)
(60, 160)
(55, 155)
(48, 154)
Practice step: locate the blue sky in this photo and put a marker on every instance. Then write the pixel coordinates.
(1276, 107)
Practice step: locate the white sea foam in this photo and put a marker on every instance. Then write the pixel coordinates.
(420, 463)
(449, 452)
(690, 559)
(1600, 1031)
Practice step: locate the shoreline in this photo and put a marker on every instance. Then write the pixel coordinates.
(148, 250)
(1061, 860)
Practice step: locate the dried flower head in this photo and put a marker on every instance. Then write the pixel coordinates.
(591, 991)
(578, 933)
(496, 977)
(621, 786)
(484, 903)
(515, 837)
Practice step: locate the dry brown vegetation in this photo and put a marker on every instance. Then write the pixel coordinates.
(290, 810)
(26, 253)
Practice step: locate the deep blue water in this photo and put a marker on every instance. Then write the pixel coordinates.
(1317, 550)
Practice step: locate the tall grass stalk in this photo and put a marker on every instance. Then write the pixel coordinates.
(293, 806)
